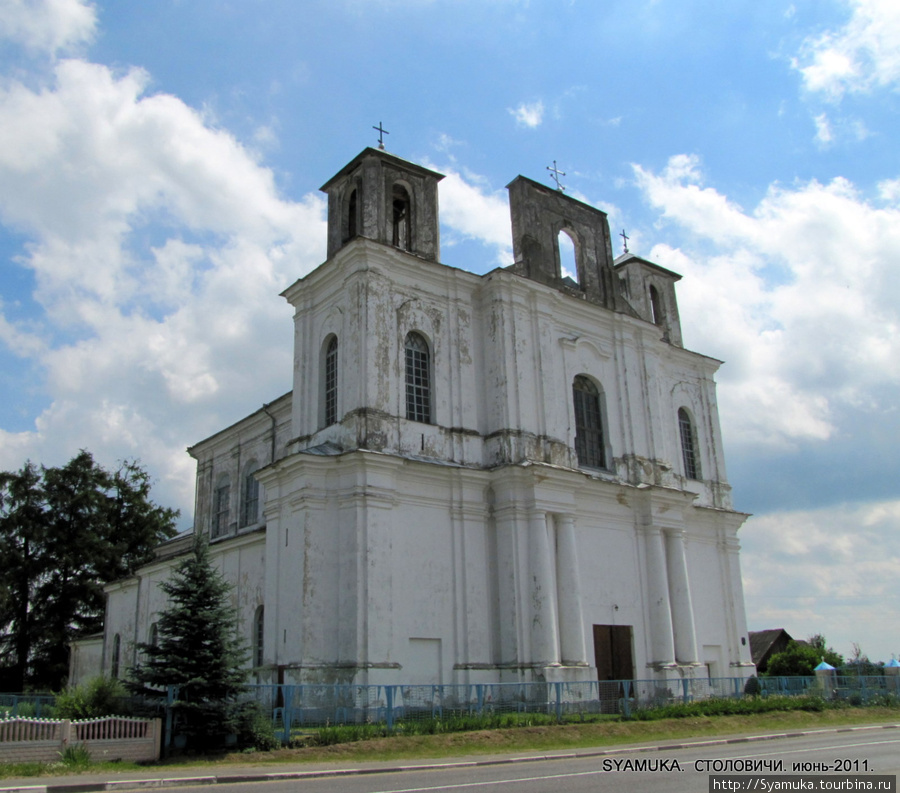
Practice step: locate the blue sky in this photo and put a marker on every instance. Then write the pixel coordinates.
(159, 174)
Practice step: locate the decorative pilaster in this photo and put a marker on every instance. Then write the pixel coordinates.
(568, 584)
(544, 629)
(680, 596)
(659, 610)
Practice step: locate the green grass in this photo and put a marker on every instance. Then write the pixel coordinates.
(521, 733)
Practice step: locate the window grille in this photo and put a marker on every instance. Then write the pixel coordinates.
(688, 445)
(250, 500)
(418, 379)
(589, 446)
(221, 511)
(258, 636)
(331, 361)
(116, 655)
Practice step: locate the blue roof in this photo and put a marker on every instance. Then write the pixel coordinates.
(823, 665)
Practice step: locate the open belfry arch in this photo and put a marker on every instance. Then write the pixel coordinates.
(515, 476)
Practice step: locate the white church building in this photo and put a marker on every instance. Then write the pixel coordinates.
(515, 476)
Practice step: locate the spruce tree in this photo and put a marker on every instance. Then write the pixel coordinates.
(199, 650)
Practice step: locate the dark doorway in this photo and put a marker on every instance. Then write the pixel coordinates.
(612, 652)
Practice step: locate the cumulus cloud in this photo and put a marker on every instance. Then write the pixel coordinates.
(158, 246)
(528, 114)
(47, 26)
(471, 210)
(842, 561)
(799, 297)
(862, 55)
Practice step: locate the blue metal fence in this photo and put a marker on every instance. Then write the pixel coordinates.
(310, 705)
(36, 705)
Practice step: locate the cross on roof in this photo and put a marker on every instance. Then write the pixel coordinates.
(625, 239)
(555, 174)
(381, 133)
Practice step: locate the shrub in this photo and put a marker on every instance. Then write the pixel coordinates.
(255, 729)
(97, 697)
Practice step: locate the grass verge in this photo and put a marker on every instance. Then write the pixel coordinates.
(521, 739)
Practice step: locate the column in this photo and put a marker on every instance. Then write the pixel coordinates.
(662, 647)
(541, 593)
(680, 595)
(568, 585)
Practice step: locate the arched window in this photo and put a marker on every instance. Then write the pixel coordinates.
(116, 656)
(568, 258)
(221, 507)
(330, 391)
(154, 635)
(418, 379)
(589, 444)
(351, 214)
(657, 313)
(401, 205)
(250, 495)
(688, 445)
(258, 625)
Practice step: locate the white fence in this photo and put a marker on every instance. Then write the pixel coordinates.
(24, 740)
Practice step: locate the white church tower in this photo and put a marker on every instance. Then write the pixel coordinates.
(515, 476)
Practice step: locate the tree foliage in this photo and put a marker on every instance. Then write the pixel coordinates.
(64, 533)
(802, 658)
(198, 649)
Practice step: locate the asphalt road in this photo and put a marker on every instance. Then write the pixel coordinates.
(685, 770)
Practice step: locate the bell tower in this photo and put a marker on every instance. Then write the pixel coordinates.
(384, 198)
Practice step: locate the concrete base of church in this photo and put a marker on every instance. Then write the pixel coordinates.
(557, 673)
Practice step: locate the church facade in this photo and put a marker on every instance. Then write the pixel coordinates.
(515, 476)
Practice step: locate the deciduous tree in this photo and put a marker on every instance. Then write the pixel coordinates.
(64, 533)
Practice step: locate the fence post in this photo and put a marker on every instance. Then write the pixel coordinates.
(389, 701)
(558, 687)
(685, 686)
(170, 699)
(65, 735)
(626, 702)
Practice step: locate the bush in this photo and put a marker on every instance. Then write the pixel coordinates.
(97, 697)
(255, 729)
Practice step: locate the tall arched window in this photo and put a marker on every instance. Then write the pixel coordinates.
(221, 507)
(589, 444)
(154, 635)
(400, 208)
(258, 646)
(352, 204)
(116, 656)
(688, 445)
(418, 379)
(250, 495)
(568, 257)
(330, 374)
(657, 313)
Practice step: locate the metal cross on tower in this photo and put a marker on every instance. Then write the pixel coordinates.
(625, 239)
(555, 174)
(381, 133)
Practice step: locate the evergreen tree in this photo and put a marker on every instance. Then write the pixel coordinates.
(64, 533)
(198, 649)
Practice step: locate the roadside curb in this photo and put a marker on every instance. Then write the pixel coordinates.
(226, 779)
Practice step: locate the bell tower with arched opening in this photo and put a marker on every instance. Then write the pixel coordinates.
(384, 198)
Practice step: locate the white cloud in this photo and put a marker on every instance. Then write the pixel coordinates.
(528, 114)
(48, 26)
(471, 210)
(842, 562)
(158, 247)
(824, 135)
(862, 55)
(800, 299)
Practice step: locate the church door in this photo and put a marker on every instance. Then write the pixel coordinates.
(612, 652)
